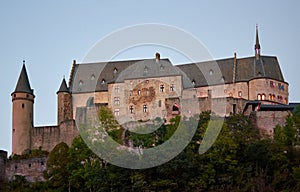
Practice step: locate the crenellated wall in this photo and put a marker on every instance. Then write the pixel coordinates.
(48, 136)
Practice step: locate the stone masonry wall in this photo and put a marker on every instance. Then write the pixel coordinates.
(32, 169)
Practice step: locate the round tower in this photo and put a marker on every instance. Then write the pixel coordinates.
(22, 114)
(64, 103)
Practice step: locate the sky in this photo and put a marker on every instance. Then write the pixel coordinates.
(49, 35)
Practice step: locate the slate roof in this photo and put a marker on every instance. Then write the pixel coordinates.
(63, 87)
(23, 85)
(92, 77)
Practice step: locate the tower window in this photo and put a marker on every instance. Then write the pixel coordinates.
(131, 109)
(162, 87)
(15, 95)
(172, 87)
(139, 92)
(27, 95)
(23, 105)
(145, 109)
(159, 103)
(240, 93)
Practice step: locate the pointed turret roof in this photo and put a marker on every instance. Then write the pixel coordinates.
(23, 84)
(257, 45)
(63, 87)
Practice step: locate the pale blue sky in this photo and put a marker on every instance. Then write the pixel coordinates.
(49, 35)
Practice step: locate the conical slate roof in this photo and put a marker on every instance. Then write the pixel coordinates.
(63, 87)
(23, 84)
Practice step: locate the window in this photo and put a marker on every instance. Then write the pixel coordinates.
(117, 112)
(240, 93)
(117, 101)
(115, 70)
(172, 87)
(131, 109)
(258, 96)
(145, 69)
(23, 105)
(279, 86)
(263, 96)
(162, 88)
(139, 92)
(93, 77)
(145, 108)
(270, 97)
(222, 79)
(161, 67)
(234, 109)
(175, 107)
(117, 88)
(27, 95)
(103, 81)
(272, 84)
(211, 72)
(130, 93)
(193, 82)
(159, 103)
(147, 92)
(80, 83)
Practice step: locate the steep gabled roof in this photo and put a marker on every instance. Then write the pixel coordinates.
(63, 87)
(23, 85)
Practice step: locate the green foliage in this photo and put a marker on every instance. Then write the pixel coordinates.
(57, 167)
(239, 160)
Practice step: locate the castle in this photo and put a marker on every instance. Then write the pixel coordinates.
(142, 90)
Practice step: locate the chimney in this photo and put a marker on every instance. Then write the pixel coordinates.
(157, 57)
(234, 68)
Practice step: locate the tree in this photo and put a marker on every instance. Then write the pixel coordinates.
(57, 174)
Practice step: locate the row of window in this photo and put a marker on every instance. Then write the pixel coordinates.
(271, 97)
(279, 85)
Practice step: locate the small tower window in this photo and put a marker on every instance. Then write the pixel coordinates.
(139, 92)
(172, 87)
(23, 105)
(15, 95)
(159, 103)
(145, 108)
(240, 93)
(27, 95)
(131, 109)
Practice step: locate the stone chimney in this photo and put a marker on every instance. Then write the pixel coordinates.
(157, 57)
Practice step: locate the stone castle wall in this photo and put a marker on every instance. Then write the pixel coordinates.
(32, 168)
(3, 159)
(266, 121)
(48, 137)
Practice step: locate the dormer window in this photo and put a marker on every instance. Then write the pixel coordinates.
(193, 82)
(161, 67)
(211, 72)
(103, 81)
(80, 83)
(115, 70)
(145, 69)
(93, 77)
(222, 79)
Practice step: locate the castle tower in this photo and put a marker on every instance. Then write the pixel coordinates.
(22, 114)
(64, 103)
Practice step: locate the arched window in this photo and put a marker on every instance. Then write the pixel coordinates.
(175, 107)
(259, 96)
(263, 96)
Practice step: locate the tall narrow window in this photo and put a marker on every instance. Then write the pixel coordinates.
(234, 109)
(193, 82)
(162, 87)
(263, 96)
(159, 103)
(130, 93)
(139, 92)
(131, 109)
(145, 109)
(172, 87)
(23, 105)
(240, 93)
